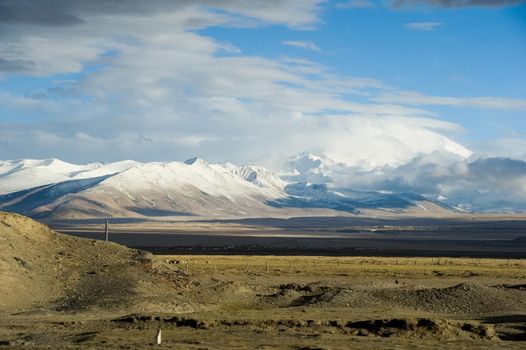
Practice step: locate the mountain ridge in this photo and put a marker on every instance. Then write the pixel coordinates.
(190, 188)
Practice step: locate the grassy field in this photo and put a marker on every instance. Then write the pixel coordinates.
(347, 266)
(297, 302)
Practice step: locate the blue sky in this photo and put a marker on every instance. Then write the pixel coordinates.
(262, 81)
(470, 52)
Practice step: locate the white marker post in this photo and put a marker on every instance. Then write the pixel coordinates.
(158, 338)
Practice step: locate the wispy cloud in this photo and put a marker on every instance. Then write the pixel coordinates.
(458, 78)
(416, 98)
(309, 45)
(458, 3)
(511, 147)
(356, 4)
(166, 82)
(425, 26)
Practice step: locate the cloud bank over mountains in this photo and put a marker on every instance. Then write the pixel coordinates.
(487, 184)
(436, 184)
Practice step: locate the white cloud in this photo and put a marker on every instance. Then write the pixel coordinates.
(424, 26)
(370, 142)
(510, 147)
(416, 98)
(302, 44)
(483, 184)
(475, 184)
(356, 4)
(457, 3)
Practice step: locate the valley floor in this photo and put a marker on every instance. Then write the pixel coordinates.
(299, 302)
(331, 236)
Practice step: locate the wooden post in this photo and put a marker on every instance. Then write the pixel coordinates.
(106, 231)
(315, 264)
(266, 266)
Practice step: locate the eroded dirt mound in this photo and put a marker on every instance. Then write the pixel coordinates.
(464, 298)
(44, 269)
(461, 298)
(416, 328)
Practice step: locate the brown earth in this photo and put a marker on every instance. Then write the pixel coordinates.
(58, 291)
(43, 269)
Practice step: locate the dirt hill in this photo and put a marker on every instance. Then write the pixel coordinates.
(42, 269)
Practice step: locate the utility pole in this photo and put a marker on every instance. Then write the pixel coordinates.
(106, 231)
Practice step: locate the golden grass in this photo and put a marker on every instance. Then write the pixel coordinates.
(338, 266)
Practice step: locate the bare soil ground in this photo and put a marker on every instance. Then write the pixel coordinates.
(65, 292)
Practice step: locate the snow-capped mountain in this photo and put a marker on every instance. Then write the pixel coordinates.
(55, 189)
(16, 175)
(308, 185)
(151, 189)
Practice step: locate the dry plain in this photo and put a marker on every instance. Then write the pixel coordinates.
(66, 292)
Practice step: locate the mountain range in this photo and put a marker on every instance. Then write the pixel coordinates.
(54, 189)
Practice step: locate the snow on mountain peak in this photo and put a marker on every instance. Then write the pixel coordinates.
(445, 176)
(196, 161)
(227, 181)
(457, 149)
(23, 174)
(260, 176)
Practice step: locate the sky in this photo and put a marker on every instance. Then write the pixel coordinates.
(365, 83)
